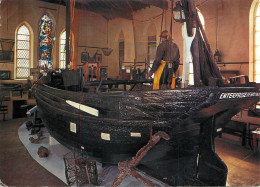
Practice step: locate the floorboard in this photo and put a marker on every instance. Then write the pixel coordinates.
(17, 168)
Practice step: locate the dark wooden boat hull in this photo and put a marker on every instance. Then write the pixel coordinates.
(123, 124)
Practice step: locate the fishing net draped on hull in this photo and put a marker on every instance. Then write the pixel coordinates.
(206, 72)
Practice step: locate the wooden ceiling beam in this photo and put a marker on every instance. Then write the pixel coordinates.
(158, 3)
(111, 9)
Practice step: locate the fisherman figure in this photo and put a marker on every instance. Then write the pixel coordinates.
(168, 52)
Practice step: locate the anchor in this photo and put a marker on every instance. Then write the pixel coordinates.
(128, 167)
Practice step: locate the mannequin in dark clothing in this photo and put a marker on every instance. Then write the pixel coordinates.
(169, 52)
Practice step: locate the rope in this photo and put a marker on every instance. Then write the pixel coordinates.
(72, 10)
(171, 19)
(149, 19)
(162, 23)
(107, 33)
(202, 3)
(7, 15)
(217, 26)
(165, 20)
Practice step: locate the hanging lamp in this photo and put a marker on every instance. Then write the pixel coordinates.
(107, 51)
(178, 13)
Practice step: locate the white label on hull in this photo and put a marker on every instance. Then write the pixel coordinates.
(105, 136)
(84, 108)
(135, 134)
(73, 127)
(238, 95)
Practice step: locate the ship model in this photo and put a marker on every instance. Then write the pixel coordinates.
(111, 126)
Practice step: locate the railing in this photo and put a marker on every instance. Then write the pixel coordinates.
(110, 83)
(234, 80)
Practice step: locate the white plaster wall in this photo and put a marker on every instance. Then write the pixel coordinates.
(92, 32)
(233, 32)
(30, 11)
(115, 27)
(152, 15)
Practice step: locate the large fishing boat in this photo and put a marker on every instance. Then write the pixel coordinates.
(112, 125)
(116, 123)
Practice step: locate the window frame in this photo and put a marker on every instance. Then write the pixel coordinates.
(49, 65)
(255, 31)
(60, 52)
(16, 52)
(152, 43)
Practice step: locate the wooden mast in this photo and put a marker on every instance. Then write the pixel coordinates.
(67, 33)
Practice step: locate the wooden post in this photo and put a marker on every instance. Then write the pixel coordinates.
(146, 67)
(86, 72)
(98, 71)
(92, 70)
(67, 33)
(74, 27)
(186, 55)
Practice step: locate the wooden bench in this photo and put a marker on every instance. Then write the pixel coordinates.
(237, 129)
(256, 137)
(3, 111)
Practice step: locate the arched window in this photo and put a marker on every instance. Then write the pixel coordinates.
(45, 40)
(23, 50)
(151, 51)
(63, 50)
(257, 45)
(191, 72)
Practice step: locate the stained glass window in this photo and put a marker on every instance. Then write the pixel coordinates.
(46, 38)
(23, 52)
(63, 50)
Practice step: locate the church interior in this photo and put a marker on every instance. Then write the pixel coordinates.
(115, 43)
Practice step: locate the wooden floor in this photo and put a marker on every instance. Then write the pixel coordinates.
(243, 164)
(17, 168)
